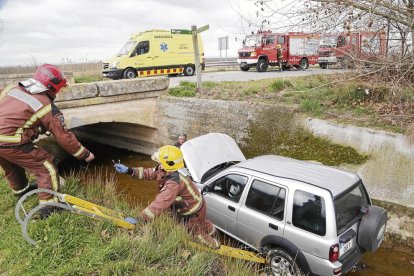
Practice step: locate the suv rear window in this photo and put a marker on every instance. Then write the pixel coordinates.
(348, 206)
(309, 212)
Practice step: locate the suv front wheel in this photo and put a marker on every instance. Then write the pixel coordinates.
(280, 262)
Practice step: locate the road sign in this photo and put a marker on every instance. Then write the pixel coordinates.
(178, 31)
(202, 29)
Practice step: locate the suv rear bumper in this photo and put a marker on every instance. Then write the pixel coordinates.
(321, 266)
(351, 259)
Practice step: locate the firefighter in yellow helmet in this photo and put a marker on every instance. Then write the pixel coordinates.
(177, 193)
(279, 56)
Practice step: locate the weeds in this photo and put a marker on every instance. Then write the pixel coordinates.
(185, 89)
(71, 244)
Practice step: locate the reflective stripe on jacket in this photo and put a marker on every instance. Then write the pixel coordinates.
(177, 192)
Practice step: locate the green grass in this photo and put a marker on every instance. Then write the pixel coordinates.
(185, 89)
(71, 244)
(344, 98)
(87, 79)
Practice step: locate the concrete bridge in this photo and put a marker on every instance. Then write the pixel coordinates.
(119, 113)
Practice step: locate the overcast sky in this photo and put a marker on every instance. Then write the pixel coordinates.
(61, 31)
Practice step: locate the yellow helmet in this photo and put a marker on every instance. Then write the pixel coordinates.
(278, 46)
(171, 158)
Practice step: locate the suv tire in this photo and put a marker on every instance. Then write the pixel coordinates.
(280, 262)
(372, 228)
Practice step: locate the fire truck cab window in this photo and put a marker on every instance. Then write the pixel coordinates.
(270, 40)
(354, 40)
(341, 41)
(281, 40)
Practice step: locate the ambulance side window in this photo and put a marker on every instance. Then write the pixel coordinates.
(142, 48)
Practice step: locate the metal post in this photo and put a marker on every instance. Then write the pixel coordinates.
(197, 57)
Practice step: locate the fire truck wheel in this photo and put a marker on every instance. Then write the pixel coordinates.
(323, 65)
(130, 73)
(188, 70)
(304, 64)
(244, 68)
(261, 65)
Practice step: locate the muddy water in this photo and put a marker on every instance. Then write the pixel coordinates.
(390, 259)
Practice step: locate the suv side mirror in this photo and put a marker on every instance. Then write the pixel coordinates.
(206, 189)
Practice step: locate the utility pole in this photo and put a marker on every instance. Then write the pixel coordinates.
(197, 57)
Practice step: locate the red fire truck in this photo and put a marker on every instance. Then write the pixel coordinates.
(346, 49)
(259, 50)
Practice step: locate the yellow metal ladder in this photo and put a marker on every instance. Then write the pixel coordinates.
(83, 207)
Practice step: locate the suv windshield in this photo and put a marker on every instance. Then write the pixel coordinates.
(126, 48)
(348, 206)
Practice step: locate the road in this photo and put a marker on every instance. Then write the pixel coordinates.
(251, 75)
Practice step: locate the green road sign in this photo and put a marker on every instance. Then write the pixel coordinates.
(202, 29)
(177, 31)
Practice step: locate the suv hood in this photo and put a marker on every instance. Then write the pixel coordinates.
(207, 151)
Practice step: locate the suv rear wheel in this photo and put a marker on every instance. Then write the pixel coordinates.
(280, 262)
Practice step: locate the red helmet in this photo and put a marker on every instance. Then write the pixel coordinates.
(51, 77)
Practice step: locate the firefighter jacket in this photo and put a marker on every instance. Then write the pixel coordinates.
(24, 116)
(176, 192)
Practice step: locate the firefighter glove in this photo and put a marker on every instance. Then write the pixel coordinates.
(120, 168)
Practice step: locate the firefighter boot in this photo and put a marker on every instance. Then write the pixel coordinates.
(30, 187)
(208, 241)
(46, 211)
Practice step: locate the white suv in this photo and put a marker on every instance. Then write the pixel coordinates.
(307, 218)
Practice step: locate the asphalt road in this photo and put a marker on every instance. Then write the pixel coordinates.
(251, 75)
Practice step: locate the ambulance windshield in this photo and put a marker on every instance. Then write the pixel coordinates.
(126, 48)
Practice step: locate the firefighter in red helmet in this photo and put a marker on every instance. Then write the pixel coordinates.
(177, 193)
(27, 111)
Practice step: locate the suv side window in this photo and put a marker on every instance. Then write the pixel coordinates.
(230, 186)
(309, 212)
(267, 199)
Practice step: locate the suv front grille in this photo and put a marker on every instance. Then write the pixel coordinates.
(244, 54)
(105, 66)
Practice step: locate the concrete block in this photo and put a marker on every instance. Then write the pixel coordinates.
(119, 87)
(77, 92)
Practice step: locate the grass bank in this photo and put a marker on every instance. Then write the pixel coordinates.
(365, 102)
(71, 244)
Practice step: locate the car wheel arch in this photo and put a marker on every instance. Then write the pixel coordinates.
(270, 242)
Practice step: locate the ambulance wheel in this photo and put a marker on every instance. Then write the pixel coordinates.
(303, 64)
(189, 70)
(130, 73)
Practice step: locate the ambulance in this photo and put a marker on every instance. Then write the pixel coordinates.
(153, 53)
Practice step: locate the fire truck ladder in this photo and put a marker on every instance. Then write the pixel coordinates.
(86, 208)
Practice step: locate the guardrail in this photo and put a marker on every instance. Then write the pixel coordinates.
(221, 63)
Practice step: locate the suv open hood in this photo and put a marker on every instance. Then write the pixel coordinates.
(207, 151)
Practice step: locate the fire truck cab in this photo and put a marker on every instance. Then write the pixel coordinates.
(259, 50)
(345, 49)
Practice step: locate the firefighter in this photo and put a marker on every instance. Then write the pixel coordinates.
(279, 56)
(177, 193)
(27, 111)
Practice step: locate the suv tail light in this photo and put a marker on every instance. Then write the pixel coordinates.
(334, 253)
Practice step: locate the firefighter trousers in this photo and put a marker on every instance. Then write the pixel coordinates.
(39, 162)
(201, 228)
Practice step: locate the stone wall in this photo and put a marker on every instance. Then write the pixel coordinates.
(388, 174)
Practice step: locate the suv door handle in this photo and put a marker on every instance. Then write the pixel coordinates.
(231, 208)
(275, 227)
